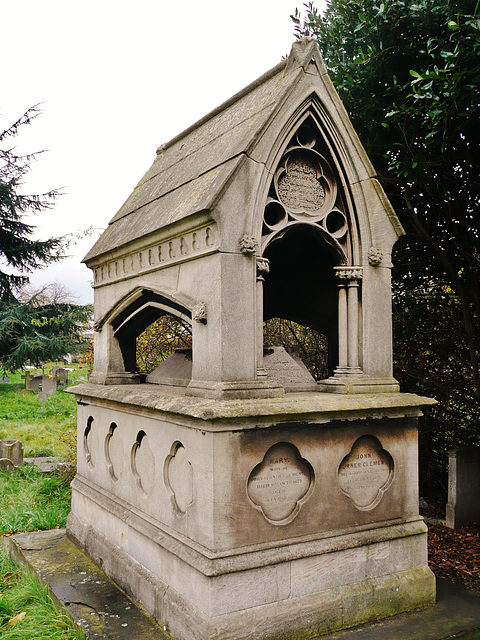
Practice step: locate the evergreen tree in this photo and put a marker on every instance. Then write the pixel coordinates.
(408, 76)
(19, 252)
(31, 330)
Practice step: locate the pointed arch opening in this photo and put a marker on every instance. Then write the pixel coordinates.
(145, 311)
(301, 285)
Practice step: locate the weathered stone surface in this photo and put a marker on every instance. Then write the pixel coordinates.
(288, 370)
(463, 505)
(13, 451)
(94, 602)
(234, 497)
(6, 464)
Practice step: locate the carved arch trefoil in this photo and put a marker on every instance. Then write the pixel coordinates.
(311, 185)
(307, 188)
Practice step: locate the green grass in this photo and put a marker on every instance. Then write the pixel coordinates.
(31, 500)
(44, 428)
(21, 593)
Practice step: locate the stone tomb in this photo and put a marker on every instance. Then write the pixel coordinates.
(230, 493)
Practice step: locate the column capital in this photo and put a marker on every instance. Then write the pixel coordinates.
(263, 267)
(348, 273)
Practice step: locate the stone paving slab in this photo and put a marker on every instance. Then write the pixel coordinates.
(106, 613)
(94, 601)
(456, 615)
(46, 464)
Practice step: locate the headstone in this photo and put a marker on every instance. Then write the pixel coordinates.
(231, 494)
(35, 383)
(13, 450)
(463, 505)
(4, 379)
(49, 385)
(6, 464)
(62, 376)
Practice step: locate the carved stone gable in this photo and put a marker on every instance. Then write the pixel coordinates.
(304, 190)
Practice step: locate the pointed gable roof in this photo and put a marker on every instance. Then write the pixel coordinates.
(191, 172)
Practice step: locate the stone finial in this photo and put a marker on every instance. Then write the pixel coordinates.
(248, 245)
(199, 313)
(375, 256)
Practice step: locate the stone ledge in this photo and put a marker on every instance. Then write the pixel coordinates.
(314, 407)
(92, 600)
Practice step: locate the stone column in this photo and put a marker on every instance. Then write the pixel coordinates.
(263, 267)
(342, 328)
(348, 319)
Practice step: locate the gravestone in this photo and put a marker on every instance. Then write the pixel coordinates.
(49, 385)
(4, 379)
(229, 492)
(13, 451)
(6, 464)
(61, 374)
(34, 383)
(463, 505)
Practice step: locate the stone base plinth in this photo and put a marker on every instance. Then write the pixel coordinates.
(253, 518)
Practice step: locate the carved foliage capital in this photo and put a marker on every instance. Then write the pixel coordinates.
(263, 266)
(345, 273)
(199, 313)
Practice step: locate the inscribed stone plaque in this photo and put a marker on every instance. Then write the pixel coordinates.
(366, 473)
(299, 188)
(281, 483)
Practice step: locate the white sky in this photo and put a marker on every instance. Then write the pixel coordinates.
(116, 80)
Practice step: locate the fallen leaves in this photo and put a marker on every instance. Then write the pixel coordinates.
(17, 618)
(454, 554)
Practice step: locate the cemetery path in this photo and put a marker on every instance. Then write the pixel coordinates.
(454, 554)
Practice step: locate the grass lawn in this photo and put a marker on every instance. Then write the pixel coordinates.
(44, 428)
(30, 500)
(27, 611)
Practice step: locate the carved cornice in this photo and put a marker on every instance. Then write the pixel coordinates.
(179, 248)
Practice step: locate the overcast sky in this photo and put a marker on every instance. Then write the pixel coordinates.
(116, 80)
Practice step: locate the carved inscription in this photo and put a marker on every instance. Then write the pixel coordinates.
(366, 473)
(298, 186)
(281, 483)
